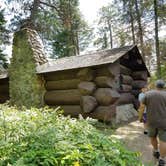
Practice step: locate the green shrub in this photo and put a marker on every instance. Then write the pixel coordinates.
(24, 85)
(43, 137)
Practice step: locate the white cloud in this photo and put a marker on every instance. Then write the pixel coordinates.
(89, 8)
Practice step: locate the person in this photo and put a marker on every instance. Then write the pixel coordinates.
(155, 101)
(142, 109)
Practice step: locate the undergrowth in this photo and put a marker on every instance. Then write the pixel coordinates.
(44, 137)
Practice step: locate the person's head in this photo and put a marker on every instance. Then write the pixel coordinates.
(160, 84)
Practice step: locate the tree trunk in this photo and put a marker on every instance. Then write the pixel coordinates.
(34, 11)
(131, 21)
(77, 43)
(140, 29)
(110, 31)
(105, 41)
(157, 39)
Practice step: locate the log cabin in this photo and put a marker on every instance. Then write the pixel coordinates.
(103, 85)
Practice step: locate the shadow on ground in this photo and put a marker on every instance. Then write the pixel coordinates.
(132, 136)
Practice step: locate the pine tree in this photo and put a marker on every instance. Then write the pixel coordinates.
(4, 39)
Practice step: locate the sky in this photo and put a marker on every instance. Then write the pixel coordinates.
(89, 8)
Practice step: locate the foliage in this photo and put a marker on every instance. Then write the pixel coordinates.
(3, 39)
(60, 23)
(25, 85)
(107, 15)
(44, 137)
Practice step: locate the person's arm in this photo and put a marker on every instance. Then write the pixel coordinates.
(143, 99)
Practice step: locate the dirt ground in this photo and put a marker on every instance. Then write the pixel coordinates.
(133, 137)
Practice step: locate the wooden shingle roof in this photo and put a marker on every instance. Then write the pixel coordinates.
(80, 61)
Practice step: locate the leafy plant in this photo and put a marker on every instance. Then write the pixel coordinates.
(43, 137)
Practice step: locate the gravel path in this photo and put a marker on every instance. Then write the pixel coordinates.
(132, 135)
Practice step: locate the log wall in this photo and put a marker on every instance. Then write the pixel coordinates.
(4, 90)
(94, 92)
(91, 92)
(131, 83)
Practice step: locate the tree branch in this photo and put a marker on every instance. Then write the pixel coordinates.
(49, 5)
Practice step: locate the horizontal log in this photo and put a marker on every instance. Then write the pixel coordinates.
(140, 75)
(4, 89)
(125, 98)
(105, 82)
(136, 92)
(125, 88)
(86, 74)
(62, 84)
(139, 84)
(126, 79)
(4, 98)
(86, 88)
(136, 103)
(72, 110)
(104, 113)
(62, 97)
(4, 81)
(60, 75)
(110, 70)
(106, 96)
(88, 103)
(124, 70)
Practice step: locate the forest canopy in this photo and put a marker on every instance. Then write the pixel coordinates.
(65, 31)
